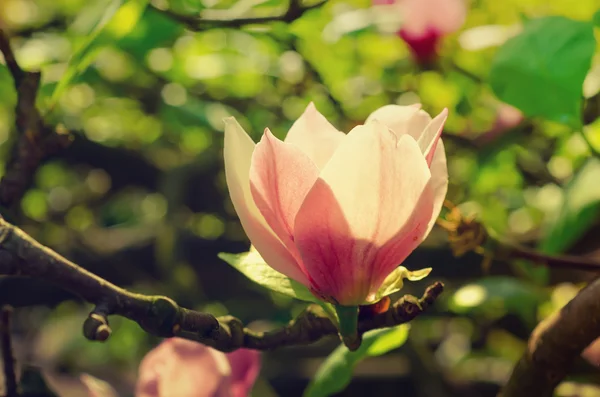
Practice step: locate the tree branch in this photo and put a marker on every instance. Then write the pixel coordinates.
(21, 255)
(195, 23)
(515, 251)
(36, 140)
(467, 234)
(555, 344)
(8, 360)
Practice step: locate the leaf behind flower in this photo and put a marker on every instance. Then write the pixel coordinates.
(253, 266)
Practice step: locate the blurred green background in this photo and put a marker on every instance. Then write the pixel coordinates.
(140, 197)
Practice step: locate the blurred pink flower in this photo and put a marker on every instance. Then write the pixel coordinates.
(335, 212)
(507, 117)
(182, 368)
(425, 22)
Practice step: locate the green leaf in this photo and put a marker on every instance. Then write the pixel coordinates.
(114, 22)
(336, 371)
(541, 71)
(596, 18)
(494, 297)
(395, 280)
(253, 266)
(580, 209)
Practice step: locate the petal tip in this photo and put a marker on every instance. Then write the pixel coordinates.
(229, 119)
(268, 136)
(232, 125)
(311, 109)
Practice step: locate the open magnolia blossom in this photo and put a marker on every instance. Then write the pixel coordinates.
(339, 212)
(424, 22)
(183, 368)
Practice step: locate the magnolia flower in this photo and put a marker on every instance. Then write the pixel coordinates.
(182, 368)
(424, 22)
(339, 212)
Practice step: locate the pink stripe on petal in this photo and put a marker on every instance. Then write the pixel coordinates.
(366, 192)
(429, 140)
(280, 177)
(328, 248)
(315, 136)
(410, 235)
(238, 150)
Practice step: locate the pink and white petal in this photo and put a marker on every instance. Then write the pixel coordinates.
(402, 119)
(376, 179)
(315, 136)
(280, 177)
(410, 235)
(439, 183)
(417, 16)
(238, 150)
(364, 195)
(183, 368)
(449, 15)
(431, 136)
(245, 367)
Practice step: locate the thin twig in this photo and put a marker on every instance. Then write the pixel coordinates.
(196, 23)
(555, 344)
(21, 255)
(467, 234)
(8, 360)
(9, 57)
(565, 261)
(470, 75)
(35, 142)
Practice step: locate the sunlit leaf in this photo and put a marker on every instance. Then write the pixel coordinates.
(115, 21)
(252, 265)
(494, 297)
(541, 71)
(336, 371)
(580, 209)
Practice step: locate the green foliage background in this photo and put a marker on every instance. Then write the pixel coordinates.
(140, 196)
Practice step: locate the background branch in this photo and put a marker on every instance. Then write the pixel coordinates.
(555, 344)
(35, 140)
(8, 360)
(468, 234)
(196, 23)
